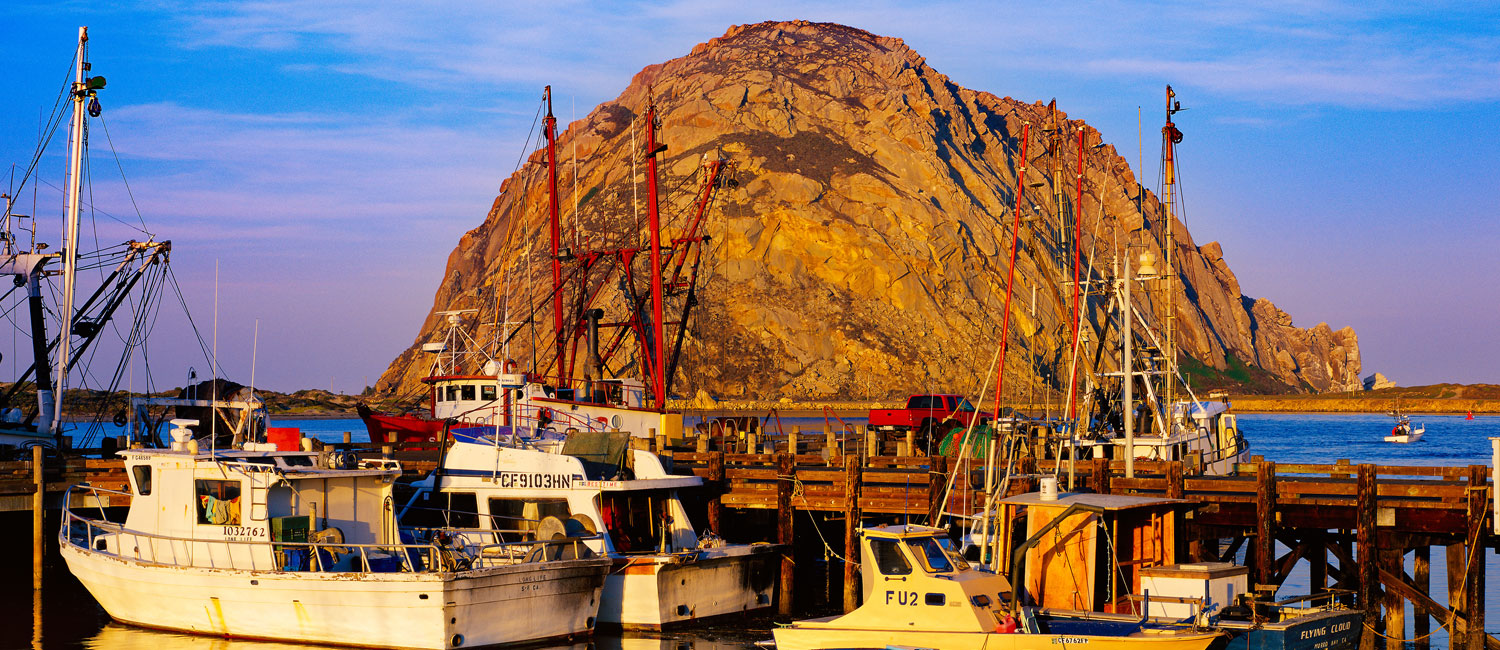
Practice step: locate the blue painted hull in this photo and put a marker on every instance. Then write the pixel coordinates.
(1329, 630)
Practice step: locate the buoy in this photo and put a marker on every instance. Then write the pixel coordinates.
(1469, 415)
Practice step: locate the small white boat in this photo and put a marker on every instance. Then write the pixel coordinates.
(486, 493)
(1403, 431)
(918, 594)
(262, 544)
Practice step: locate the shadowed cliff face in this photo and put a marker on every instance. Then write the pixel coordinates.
(864, 252)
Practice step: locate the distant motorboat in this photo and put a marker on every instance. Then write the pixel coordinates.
(1403, 431)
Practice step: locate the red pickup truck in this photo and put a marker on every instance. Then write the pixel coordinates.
(925, 414)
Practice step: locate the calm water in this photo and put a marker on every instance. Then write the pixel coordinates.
(71, 619)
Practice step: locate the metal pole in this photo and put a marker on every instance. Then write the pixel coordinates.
(1127, 372)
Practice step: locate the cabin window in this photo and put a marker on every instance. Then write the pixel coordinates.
(437, 394)
(296, 461)
(931, 554)
(634, 520)
(219, 502)
(463, 510)
(524, 515)
(487, 393)
(467, 392)
(142, 474)
(453, 393)
(937, 600)
(888, 557)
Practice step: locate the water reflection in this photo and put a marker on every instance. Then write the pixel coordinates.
(116, 636)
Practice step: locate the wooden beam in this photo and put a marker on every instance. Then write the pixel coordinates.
(716, 488)
(1424, 603)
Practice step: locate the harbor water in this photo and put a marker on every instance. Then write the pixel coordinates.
(66, 617)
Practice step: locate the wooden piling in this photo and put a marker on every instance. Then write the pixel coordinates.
(786, 475)
(1422, 575)
(1456, 556)
(1395, 606)
(348, 439)
(1265, 522)
(852, 488)
(831, 449)
(1317, 561)
(716, 479)
(1478, 503)
(792, 440)
(872, 442)
(1368, 564)
(702, 443)
(38, 507)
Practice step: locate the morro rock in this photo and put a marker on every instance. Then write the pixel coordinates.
(864, 252)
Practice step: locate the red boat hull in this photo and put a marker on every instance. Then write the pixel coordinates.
(408, 428)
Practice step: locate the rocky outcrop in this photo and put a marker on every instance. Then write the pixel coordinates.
(1377, 381)
(864, 252)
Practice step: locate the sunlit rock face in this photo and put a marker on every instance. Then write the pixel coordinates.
(864, 252)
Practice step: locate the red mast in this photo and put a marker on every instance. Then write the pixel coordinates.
(658, 361)
(1010, 282)
(557, 297)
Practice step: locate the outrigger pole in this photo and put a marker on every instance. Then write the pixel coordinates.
(658, 360)
(1010, 282)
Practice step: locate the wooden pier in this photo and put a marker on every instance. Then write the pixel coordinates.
(1351, 525)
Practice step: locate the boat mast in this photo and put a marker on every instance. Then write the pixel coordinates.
(1127, 369)
(1170, 137)
(81, 91)
(1010, 281)
(557, 293)
(658, 360)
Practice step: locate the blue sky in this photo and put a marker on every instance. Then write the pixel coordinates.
(326, 157)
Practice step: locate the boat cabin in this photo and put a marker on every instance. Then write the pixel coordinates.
(185, 504)
(1097, 555)
(595, 483)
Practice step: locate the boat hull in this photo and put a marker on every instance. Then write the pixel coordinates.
(1329, 630)
(498, 605)
(655, 591)
(802, 637)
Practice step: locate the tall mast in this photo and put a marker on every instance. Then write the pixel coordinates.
(1077, 252)
(70, 238)
(1170, 137)
(658, 360)
(1127, 369)
(1010, 281)
(557, 293)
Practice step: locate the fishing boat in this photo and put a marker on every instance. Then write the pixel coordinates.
(54, 356)
(1403, 432)
(1112, 559)
(602, 299)
(493, 489)
(265, 544)
(919, 594)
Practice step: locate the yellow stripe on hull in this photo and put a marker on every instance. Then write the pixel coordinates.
(818, 638)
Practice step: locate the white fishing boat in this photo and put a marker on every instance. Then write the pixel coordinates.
(488, 492)
(919, 594)
(255, 543)
(1403, 431)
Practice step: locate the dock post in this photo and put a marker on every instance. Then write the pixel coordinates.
(1099, 476)
(1422, 576)
(911, 444)
(1457, 557)
(389, 447)
(38, 506)
(1265, 522)
(1317, 570)
(716, 478)
(791, 440)
(702, 444)
(1478, 505)
(785, 475)
(937, 473)
(1395, 606)
(872, 442)
(661, 442)
(1368, 563)
(852, 485)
